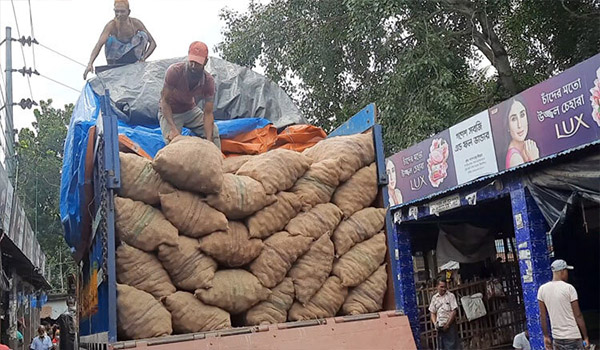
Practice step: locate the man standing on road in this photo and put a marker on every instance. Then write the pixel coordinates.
(42, 341)
(443, 310)
(185, 83)
(558, 299)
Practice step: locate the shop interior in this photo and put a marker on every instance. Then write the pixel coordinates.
(481, 239)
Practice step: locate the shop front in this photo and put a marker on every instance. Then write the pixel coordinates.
(489, 203)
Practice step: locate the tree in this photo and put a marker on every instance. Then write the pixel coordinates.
(40, 155)
(419, 60)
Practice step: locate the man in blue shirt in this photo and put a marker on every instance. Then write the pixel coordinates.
(42, 341)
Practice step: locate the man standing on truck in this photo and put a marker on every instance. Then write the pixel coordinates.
(125, 39)
(444, 309)
(558, 299)
(185, 83)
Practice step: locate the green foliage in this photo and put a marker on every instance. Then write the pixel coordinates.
(39, 154)
(420, 61)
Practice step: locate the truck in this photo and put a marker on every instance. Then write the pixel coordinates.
(99, 176)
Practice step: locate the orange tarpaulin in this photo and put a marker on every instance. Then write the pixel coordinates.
(253, 142)
(299, 137)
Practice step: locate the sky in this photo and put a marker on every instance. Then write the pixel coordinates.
(72, 27)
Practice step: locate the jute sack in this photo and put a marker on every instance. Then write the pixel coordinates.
(273, 218)
(139, 181)
(314, 223)
(275, 308)
(142, 226)
(280, 252)
(192, 164)
(190, 315)
(232, 164)
(318, 184)
(188, 267)
(368, 296)
(276, 170)
(312, 269)
(325, 303)
(190, 214)
(142, 270)
(232, 248)
(361, 261)
(234, 290)
(139, 315)
(358, 192)
(240, 196)
(362, 225)
(354, 151)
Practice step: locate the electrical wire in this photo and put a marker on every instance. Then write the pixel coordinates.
(59, 83)
(22, 50)
(62, 55)
(32, 34)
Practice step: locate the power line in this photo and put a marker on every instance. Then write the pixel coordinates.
(22, 50)
(61, 54)
(59, 83)
(32, 34)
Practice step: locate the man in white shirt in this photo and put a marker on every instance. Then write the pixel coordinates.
(521, 341)
(443, 308)
(558, 300)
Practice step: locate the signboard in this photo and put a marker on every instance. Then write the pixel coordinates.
(558, 114)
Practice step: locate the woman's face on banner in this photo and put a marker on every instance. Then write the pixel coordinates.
(391, 173)
(517, 122)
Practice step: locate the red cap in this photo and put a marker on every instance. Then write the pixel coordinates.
(198, 52)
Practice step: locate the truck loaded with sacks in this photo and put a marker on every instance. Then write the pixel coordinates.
(187, 248)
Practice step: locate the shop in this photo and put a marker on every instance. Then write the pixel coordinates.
(492, 201)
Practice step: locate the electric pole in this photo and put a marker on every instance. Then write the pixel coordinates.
(9, 132)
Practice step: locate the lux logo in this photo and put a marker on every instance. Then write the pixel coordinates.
(575, 122)
(417, 183)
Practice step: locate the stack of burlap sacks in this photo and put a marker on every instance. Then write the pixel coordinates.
(282, 236)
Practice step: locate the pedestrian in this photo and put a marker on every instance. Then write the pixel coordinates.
(125, 39)
(558, 300)
(42, 341)
(444, 309)
(186, 83)
(521, 341)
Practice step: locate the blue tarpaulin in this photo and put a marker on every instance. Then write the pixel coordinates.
(150, 139)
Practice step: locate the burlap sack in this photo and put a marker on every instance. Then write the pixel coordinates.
(318, 184)
(240, 196)
(325, 303)
(142, 270)
(277, 257)
(312, 269)
(362, 225)
(232, 164)
(232, 248)
(314, 223)
(191, 215)
(142, 226)
(188, 267)
(234, 290)
(355, 152)
(192, 164)
(361, 261)
(275, 308)
(276, 170)
(139, 181)
(273, 218)
(368, 296)
(139, 315)
(358, 192)
(190, 315)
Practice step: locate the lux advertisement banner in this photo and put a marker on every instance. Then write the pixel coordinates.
(556, 115)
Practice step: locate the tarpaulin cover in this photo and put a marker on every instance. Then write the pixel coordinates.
(464, 243)
(560, 188)
(240, 93)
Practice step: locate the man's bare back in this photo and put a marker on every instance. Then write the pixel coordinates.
(124, 31)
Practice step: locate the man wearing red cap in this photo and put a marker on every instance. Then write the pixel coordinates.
(185, 84)
(125, 39)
